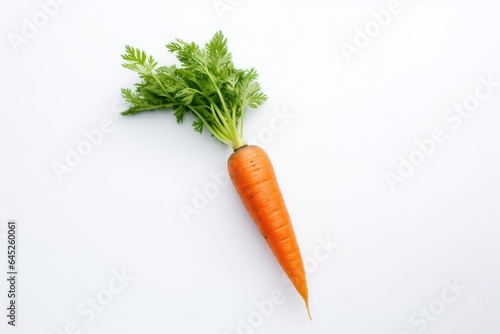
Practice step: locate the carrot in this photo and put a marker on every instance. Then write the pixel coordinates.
(216, 93)
(252, 174)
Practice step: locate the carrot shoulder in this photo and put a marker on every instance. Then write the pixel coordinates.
(252, 174)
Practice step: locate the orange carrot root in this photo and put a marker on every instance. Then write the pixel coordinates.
(252, 174)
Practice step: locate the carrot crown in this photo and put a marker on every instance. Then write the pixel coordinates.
(206, 84)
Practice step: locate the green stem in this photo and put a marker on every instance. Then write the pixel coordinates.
(241, 121)
(219, 117)
(223, 138)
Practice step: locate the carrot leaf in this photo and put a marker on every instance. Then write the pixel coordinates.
(205, 83)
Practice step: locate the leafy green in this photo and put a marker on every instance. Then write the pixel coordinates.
(206, 84)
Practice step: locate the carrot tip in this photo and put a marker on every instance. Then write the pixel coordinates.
(308, 311)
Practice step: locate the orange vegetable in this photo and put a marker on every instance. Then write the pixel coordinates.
(252, 174)
(208, 86)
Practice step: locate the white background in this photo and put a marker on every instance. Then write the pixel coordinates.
(348, 125)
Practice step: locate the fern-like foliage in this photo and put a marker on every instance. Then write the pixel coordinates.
(206, 84)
